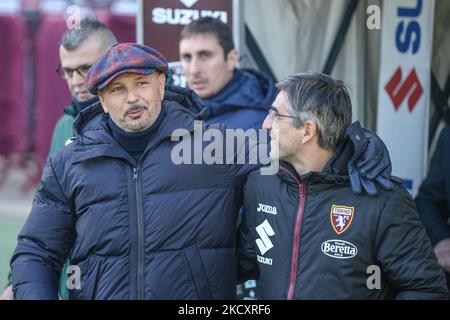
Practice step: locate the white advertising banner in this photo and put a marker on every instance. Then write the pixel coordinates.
(404, 86)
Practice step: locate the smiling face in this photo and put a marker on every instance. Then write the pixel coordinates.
(81, 58)
(206, 68)
(133, 101)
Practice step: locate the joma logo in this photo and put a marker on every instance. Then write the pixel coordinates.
(266, 208)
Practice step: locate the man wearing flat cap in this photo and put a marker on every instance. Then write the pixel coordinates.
(136, 224)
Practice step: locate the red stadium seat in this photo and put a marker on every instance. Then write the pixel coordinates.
(13, 121)
(51, 92)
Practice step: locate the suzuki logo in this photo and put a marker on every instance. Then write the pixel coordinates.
(398, 91)
(264, 231)
(188, 3)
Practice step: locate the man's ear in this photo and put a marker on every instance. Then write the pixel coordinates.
(309, 131)
(162, 84)
(101, 97)
(232, 59)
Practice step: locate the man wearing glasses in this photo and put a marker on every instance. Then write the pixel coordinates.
(79, 49)
(305, 235)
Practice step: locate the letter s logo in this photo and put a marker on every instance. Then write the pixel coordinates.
(403, 43)
(264, 231)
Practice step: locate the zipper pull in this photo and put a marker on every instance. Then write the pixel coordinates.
(135, 174)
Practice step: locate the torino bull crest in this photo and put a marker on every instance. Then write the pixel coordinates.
(341, 218)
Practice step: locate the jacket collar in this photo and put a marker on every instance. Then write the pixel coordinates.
(70, 111)
(246, 89)
(78, 106)
(334, 171)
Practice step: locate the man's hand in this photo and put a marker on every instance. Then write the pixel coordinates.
(7, 294)
(442, 251)
(370, 162)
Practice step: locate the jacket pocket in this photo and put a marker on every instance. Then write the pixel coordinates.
(198, 273)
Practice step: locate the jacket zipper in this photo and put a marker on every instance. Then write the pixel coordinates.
(140, 227)
(297, 231)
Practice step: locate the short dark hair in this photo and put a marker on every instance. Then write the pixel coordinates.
(74, 37)
(209, 25)
(318, 97)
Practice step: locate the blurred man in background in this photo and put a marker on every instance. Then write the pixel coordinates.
(79, 49)
(236, 97)
(240, 98)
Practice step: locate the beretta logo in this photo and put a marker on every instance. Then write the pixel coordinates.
(339, 249)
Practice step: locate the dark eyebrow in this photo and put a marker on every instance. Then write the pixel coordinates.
(115, 83)
(204, 51)
(274, 109)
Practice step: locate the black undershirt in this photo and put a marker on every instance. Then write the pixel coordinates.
(135, 142)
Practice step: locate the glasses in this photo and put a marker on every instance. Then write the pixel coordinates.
(67, 73)
(273, 114)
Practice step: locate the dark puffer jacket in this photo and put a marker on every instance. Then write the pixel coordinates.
(147, 230)
(310, 237)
